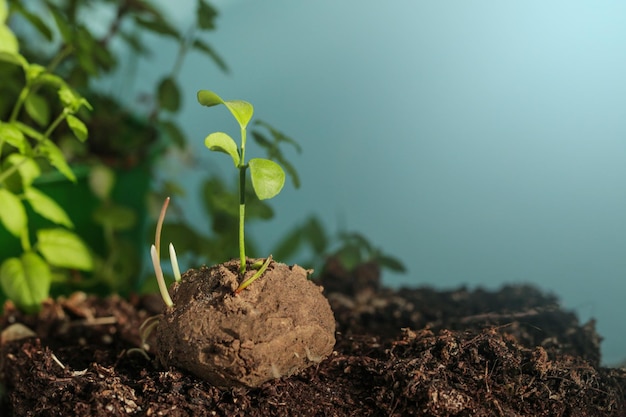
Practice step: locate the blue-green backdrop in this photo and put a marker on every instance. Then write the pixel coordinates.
(482, 142)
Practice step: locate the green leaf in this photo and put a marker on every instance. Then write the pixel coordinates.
(29, 131)
(33, 71)
(34, 20)
(13, 136)
(65, 28)
(316, 235)
(116, 217)
(241, 110)
(279, 136)
(205, 15)
(101, 181)
(174, 133)
(12, 213)
(391, 263)
(221, 142)
(158, 25)
(208, 51)
(78, 127)
(209, 98)
(64, 249)
(274, 152)
(8, 41)
(46, 207)
(26, 281)
(27, 168)
(10, 56)
(38, 109)
(169, 94)
(56, 158)
(72, 100)
(267, 176)
(4, 11)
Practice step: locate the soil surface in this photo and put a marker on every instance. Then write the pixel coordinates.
(406, 352)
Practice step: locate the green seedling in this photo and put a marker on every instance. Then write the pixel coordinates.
(267, 176)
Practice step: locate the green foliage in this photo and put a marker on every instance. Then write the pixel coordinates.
(54, 52)
(267, 176)
(351, 248)
(27, 279)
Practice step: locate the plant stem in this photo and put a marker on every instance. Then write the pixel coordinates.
(242, 215)
(242, 202)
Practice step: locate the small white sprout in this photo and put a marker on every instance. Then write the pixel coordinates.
(174, 261)
(159, 275)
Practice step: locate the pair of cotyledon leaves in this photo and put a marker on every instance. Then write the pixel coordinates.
(267, 176)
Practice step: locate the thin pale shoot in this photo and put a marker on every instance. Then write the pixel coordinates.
(160, 278)
(174, 261)
(159, 226)
(254, 277)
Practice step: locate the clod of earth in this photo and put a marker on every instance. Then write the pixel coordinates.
(279, 325)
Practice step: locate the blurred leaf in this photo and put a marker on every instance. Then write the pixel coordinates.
(279, 136)
(78, 127)
(169, 94)
(289, 245)
(64, 249)
(134, 42)
(12, 213)
(203, 47)
(26, 281)
(8, 41)
(257, 209)
(316, 235)
(57, 159)
(274, 151)
(158, 25)
(205, 14)
(34, 20)
(174, 133)
(37, 108)
(29, 131)
(391, 262)
(27, 168)
(101, 181)
(115, 216)
(349, 256)
(10, 54)
(13, 136)
(184, 238)
(267, 176)
(64, 27)
(46, 207)
(4, 11)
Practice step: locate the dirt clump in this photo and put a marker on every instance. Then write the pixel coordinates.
(279, 325)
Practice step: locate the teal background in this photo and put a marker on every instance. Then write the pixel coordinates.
(482, 142)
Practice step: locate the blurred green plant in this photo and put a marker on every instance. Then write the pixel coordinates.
(350, 248)
(26, 279)
(65, 37)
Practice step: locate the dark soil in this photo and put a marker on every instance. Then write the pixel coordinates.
(407, 352)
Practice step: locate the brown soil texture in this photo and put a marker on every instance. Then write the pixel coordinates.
(279, 325)
(406, 352)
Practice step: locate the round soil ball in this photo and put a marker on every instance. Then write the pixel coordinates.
(277, 326)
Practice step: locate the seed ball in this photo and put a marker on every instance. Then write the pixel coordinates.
(279, 325)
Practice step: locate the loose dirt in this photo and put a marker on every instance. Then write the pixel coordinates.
(406, 352)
